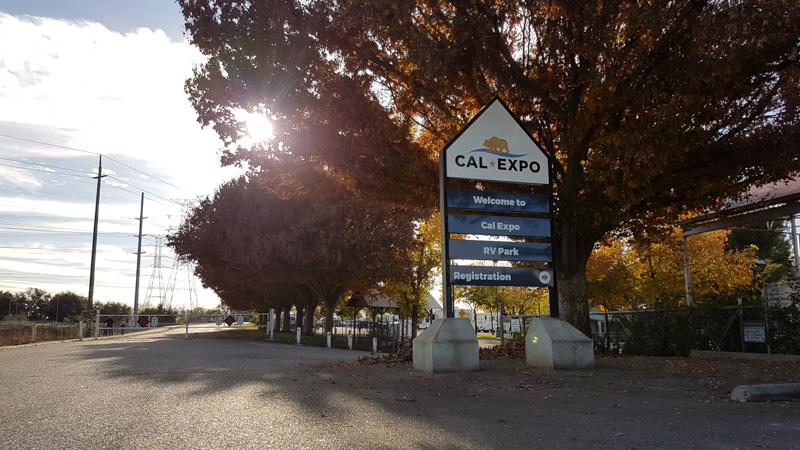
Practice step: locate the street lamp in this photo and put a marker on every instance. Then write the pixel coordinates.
(757, 267)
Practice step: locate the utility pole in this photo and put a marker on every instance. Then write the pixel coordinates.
(138, 263)
(94, 235)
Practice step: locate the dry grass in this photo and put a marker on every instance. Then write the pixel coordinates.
(15, 333)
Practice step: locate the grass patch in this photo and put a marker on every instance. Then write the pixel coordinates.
(255, 334)
(17, 334)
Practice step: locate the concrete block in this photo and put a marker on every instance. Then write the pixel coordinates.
(448, 345)
(555, 344)
(766, 392)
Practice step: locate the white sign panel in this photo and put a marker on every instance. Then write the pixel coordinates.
(754, 331)
(494, 147)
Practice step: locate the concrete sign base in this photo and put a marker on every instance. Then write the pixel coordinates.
(556, 344)
(448, 345)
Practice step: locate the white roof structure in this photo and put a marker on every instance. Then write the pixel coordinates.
(372, 299)
(759, 204)
(432, 303)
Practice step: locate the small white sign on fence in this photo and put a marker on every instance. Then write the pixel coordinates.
(754, 332)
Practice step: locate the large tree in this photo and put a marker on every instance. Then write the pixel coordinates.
(6, 300)
(772, 246)
(262, 234)
(33, 303)
(632, 273)
(411, 290)
(645, 108)
(66, 304)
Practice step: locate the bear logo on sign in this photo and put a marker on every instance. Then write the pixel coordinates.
(496, 145)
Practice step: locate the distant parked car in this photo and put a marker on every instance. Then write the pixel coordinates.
(337, 321)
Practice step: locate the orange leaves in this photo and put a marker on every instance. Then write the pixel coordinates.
(626, 273)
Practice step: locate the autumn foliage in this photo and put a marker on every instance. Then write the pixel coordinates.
(261, 243)
(627, 274)
(647, 109)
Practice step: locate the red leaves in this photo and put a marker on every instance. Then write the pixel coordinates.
(510, 349)
(404, 355)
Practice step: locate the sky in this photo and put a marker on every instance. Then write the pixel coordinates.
(85, 78)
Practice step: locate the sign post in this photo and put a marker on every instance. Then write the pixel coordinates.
(494, 149)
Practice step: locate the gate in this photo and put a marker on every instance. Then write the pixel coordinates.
(116, 324)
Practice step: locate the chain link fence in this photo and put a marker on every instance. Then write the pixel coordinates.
(753, 329)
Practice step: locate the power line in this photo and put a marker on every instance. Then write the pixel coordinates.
(22, 161)
(51, 215)
(123, 189)
(99, 154)
(64, 232)
(140, 189)
(54, 250)
(46, 171)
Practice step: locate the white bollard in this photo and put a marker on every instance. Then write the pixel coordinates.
(271, 323)
(33, 333)
(298, 335)
(186, 336)
(350, 341)
(329, 339)
(375, 345)
(97, 324)
(80, 331)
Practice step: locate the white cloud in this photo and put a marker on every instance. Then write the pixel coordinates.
(117, 94)
(77, 84)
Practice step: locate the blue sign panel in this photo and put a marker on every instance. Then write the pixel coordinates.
(501, 276)
(498, 226)
(499, 250)
(497, 201)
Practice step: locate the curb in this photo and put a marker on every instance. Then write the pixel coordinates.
(766, 392)
(738, 355)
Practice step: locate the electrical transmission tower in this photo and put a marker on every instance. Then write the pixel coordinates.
(182, 280)
(156, 290)
(182, 277)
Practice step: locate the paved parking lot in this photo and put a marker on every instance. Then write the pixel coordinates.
(162, 391)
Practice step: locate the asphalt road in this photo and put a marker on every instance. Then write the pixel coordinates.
(162, 391)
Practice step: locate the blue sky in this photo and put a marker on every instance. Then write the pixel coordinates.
(85, 78)
(122, 16)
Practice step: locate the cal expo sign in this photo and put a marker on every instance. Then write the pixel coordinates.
(494, 147)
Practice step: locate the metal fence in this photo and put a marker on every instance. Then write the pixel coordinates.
(383, 335)
(677, 332)
(116, 324)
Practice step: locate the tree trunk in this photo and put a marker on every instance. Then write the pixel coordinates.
(330, 308)
(308, 320)
(298, 315)
(574, 253)
(414, 323)
(287, 320)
